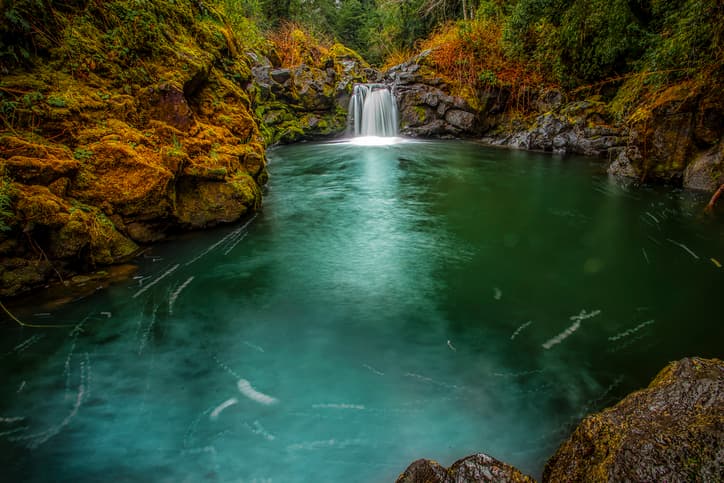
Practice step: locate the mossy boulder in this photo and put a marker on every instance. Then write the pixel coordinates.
(202, 202)
(671, 431)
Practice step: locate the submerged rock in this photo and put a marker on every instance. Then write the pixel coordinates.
(671, 431)
(474, 468)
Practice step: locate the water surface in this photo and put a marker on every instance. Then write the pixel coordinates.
(428, 299)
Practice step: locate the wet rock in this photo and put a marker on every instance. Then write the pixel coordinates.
(671, 431)
(202, 203)
(706, 171)
(471, 469)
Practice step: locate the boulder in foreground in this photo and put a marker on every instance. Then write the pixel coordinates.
(671, 431)
(475, 468)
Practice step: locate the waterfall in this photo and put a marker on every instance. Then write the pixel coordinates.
(372, 111)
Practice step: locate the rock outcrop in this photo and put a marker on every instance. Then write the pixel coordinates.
(426, 109)
(475, 468)
(676, 141)
(308, 101)
(671, 431)
(147, 135)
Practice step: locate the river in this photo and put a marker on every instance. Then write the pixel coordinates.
(424, 299)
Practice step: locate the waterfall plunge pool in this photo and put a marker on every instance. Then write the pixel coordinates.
(423, 299)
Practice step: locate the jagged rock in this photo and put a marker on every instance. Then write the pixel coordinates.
(424, 471)
(671, 431)
(471, 469)
(706, 171)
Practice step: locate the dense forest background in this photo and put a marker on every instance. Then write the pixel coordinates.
(640, 45)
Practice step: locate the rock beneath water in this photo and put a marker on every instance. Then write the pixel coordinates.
(474, 468)
(671, 431)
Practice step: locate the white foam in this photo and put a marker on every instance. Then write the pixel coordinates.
(358, 407)
(175, 294)
(215, 413)
(259, 430)
(520, 329)
(562, 336)
(629, 332)
(253, 346)
(679, 244)
(373, 370)
(497, 293)
(165, 274)
(247, 390)
(452, 347)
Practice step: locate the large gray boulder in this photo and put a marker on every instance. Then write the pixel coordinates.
(671, 431)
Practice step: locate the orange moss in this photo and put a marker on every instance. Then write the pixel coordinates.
(297, 46)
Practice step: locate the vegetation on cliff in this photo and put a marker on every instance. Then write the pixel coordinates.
(123, 121)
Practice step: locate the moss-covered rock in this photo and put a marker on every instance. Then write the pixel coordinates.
(122, 125)
(671, 431)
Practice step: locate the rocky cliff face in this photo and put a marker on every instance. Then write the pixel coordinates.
(149, 129)
(671, 431)
(308, 101)
(678, 141)
(125, 126)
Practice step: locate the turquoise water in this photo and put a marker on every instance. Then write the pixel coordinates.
(428, 299)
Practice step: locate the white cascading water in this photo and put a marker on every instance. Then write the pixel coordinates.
(372, 111)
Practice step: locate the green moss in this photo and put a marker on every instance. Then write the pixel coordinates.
(7, 193)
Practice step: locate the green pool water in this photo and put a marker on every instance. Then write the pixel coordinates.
(424, 299)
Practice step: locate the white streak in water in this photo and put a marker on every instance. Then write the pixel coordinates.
(562, 336)
(253, 346)
(148, 332)
(449, 344)
(684, 247)
(223, 240)
(373, 370)
(215, 413)
(233, 245)
(358, 407)
(22, 386)
(628, 332)
(175, 294)
(583, 315)
(23, 346)
(498, 294)
(247, 390)
(40, 438)
(258, 429)
(314, 445)
(520, 329)
(11, 420)
(107, 314)
(646, 256)
(652, 217)
(168, 272)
